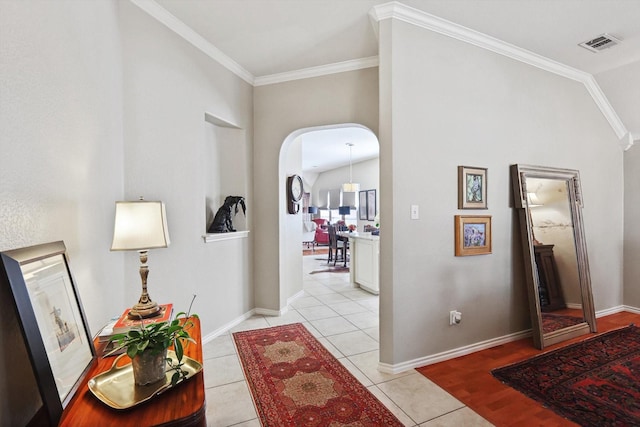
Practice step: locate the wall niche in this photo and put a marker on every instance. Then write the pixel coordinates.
(226, 173)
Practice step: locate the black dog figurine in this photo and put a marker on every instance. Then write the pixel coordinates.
(222, 222)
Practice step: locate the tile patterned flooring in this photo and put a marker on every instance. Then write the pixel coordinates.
(345, 321)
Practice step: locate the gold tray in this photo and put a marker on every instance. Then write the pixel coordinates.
(117, 389)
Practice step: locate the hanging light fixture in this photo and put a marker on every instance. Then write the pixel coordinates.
(350, 187)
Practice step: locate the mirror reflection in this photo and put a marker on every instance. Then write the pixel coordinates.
(555, 253)
(559, 287)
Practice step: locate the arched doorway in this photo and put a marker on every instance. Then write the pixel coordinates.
(321, 157)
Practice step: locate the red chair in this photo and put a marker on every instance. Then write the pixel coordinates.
(322, 233)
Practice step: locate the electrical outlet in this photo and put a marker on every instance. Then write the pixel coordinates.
(455, 317)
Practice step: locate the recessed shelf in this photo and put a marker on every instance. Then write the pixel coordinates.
(215, 120)
(217, 237)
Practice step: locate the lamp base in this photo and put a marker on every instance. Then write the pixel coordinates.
(144, 311)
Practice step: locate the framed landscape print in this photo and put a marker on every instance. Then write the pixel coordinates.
(472, 235)
(472, 187)
(371, 205)
(51, 319)
(362, 205)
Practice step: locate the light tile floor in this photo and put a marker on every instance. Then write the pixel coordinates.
(345, 321)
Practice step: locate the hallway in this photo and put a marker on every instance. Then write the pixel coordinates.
(345, 321)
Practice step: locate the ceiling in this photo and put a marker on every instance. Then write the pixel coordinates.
(271, 37)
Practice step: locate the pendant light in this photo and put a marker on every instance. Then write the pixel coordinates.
(350, 187)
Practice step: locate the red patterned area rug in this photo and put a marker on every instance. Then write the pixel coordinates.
(295, 381)
(552, 322)
(595, 382)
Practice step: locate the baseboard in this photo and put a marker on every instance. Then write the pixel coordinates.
(634, 310)
(227, 326)
(612, 310)
(260, 311)
(451, 354)
(294, 297)
(483, 345)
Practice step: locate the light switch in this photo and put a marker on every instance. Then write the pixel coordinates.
(415, 214)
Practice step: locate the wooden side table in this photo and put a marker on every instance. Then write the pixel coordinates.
(181, 406)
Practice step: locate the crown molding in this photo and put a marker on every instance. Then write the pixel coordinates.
(170, 21)
(629, 141)
(322, 70)
(433, 23)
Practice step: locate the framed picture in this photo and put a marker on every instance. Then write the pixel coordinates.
(362, 205)
(472, 187)
(472, 234)
(51, 319)
(371, 205)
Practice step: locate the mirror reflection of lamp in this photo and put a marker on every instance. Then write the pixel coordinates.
(533, 202)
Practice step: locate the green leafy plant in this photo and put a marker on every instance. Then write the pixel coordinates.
(157, 337)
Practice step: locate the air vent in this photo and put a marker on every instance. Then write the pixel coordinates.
(601, 42)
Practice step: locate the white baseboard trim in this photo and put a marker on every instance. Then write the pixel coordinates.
(635, 310)
(483, 345)
(451, 354)
(226, 327)
(291, 299)
(260, 311)
(611, 310)
(270, 312)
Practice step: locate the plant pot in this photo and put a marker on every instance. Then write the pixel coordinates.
(149, 367)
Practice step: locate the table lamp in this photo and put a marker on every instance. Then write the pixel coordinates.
(139, 226)
(344, 210)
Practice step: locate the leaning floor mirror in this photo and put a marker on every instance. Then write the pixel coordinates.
(549, 205)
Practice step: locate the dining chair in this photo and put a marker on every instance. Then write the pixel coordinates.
(337, 248)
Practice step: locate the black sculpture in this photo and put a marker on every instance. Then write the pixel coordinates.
(222, 221)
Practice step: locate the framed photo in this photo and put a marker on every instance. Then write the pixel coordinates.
(51, 319)
(362, 205)
(371, 205)
(472, 234)
(472, 187)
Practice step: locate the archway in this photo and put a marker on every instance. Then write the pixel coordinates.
(290, 226)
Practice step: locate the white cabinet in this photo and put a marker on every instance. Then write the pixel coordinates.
(365, 255)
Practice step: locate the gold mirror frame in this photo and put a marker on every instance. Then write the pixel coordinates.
(519, 175)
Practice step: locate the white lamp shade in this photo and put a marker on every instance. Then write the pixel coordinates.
(350, 187)
(140, 225)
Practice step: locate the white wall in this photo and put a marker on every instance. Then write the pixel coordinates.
(61, 164)
(168, 87)
(99, 102)
(445, 103)
(365, 173)
(622, 88)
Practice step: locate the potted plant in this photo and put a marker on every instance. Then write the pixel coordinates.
(147, 347)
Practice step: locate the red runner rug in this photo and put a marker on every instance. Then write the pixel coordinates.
(295, 381)
(595, 382)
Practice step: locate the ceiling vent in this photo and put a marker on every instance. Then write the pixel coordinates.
(602, 42)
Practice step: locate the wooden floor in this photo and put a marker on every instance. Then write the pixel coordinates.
(468, 378)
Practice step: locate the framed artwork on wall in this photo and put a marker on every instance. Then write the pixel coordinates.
(371, 205)
(472, 187)
(472, 235)
(51, 319)
(362, 205)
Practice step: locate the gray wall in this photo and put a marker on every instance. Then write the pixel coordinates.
(445, 103)
(632, 227)
(279, 110)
